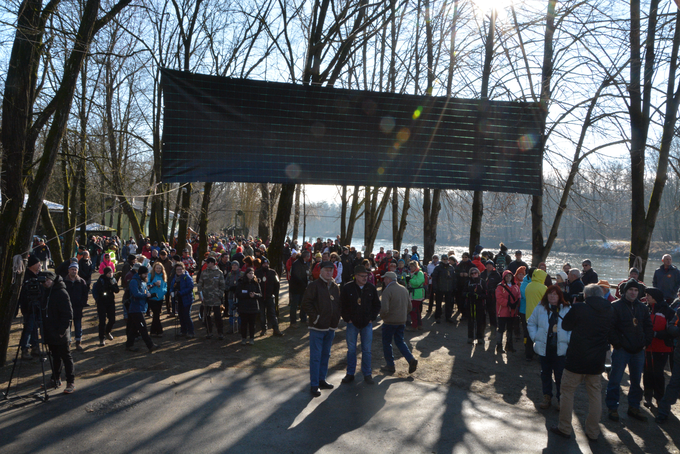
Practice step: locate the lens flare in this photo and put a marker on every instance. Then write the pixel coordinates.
(387, 124)
(527, 142)
(293, 171)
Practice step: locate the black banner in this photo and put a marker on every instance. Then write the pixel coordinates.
(222, 129)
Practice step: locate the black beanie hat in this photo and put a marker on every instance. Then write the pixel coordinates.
(631, 283)
(32, 260)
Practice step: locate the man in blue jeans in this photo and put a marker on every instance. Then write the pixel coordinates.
(360, 307)
(395, 306)
(321, 303)
(633, 332)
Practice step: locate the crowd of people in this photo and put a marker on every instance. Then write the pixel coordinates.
(575, 323)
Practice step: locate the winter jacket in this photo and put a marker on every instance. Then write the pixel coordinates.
(248, 304)
(474, 292)
(416, 286)
(211, 286)
(321, 303)
(299, 275)
(138, 295)
(360, 306)
(667, 280)
(538, 326)
(231, 281)
(628, 336)
(535, 291)
(523, 294)
(158, 293)
(591, 324)
(491, 280)
(589, 277)
(573, 289)
(104, 290)
(507, 298)
(269, 283)
(660, 314)
(104, 264)
(78, 291)
(57, 314)
(85, 270)
(444, 278)
(395, 304)
(183, 287)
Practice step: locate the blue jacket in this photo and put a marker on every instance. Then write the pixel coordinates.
(667, 280)
(158, 293)
(138, 295)
(523, 297)
(186, 288)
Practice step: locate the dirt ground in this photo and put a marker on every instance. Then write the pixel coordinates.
(442, 350)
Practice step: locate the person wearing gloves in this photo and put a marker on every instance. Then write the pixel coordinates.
(550, 340)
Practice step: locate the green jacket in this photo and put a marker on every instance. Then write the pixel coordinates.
(415, 286)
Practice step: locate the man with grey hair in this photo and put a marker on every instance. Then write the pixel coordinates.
(394, 309)
(667, 278)
(574, 285)
(591, 324)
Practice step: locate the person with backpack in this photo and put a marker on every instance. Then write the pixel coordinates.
(104, 293)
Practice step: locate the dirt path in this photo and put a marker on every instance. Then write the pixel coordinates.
(442, 349)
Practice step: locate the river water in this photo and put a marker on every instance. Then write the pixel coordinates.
(612, 269)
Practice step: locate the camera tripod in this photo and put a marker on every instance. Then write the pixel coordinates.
(44, 355)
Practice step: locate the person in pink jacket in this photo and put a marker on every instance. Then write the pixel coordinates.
(106, 261)
(507, 304)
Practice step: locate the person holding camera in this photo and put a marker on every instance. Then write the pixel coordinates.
(550, 340)
(56, 326)
(104, 293)
(139, 293)
(28, 296)
(591, 326)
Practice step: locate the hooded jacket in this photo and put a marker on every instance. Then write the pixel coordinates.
(591, 324)
(58, 314)
(535, 291)
(138, 295)
(507, 296)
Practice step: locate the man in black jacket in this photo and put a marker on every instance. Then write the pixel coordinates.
(57, 316)
(270, 286)
(444, 280)
(299, 278)
(574, 285)
(591, 324)
(360, 307)
(633, 332)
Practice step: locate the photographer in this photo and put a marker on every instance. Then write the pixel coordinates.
(103, 292)
(29, 295)
(56, 327)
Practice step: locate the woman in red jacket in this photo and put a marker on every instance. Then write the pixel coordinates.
(507, 304)
(657, 353)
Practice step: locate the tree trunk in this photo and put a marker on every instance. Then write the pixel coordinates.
(263, 221)
(52, 236)
(184, 218)
(275, 250)
(353, 216)
(296, 217)
(343, 215)
(203, 223)
(373, 214)
(431, 208)
(180, 191)
(399, 223)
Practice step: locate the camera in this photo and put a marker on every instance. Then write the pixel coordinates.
(580, 297)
